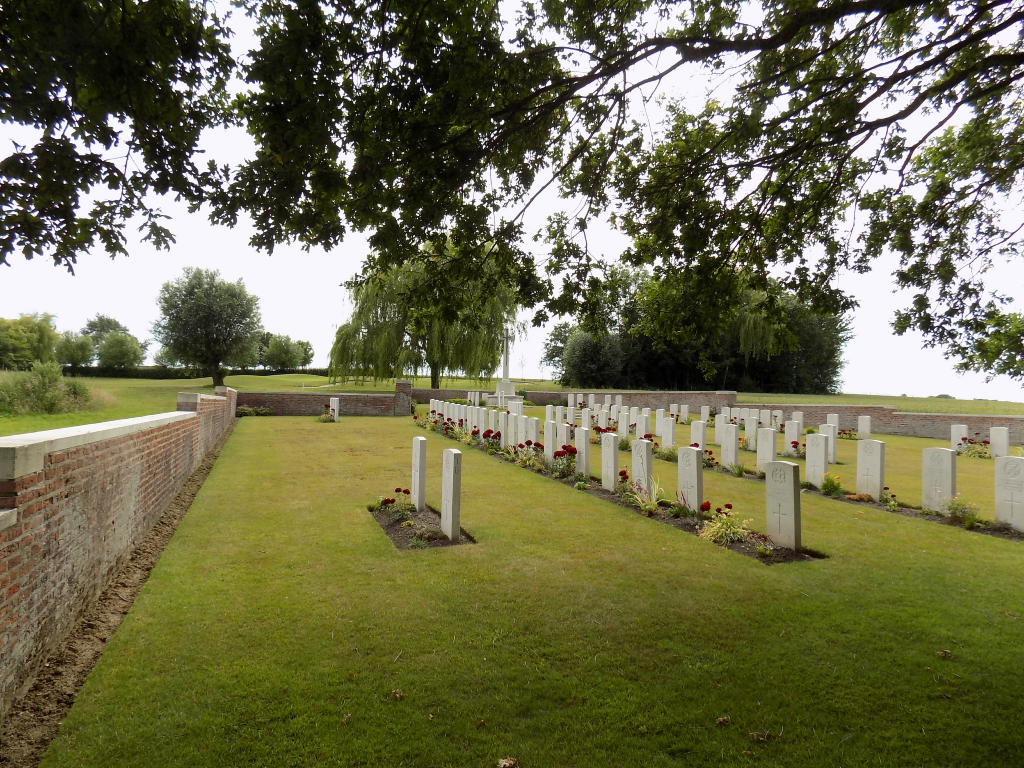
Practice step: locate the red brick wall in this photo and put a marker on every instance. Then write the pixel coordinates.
(79, 513)
(398, 403)
(888, 421)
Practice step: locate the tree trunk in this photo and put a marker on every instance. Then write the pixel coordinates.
(435, 377)
(216, 375)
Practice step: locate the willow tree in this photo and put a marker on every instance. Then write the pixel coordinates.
(397, 329)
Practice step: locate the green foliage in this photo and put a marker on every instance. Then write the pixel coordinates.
(284, 354)
(252, 410)
(395, 329)
(738, 470)
(100, 326)
(75, 349)
(961, 512)
(27, 340)
(554, 349)
(830, 485)
(725, 528)
(42, 390)
(120, 350)
(113, 97)
(205, 321)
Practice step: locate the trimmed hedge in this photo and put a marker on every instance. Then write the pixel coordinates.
(160, 372)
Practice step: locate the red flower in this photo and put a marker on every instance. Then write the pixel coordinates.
(529, 442)
(327, 405)
(539, 446)
(398, 489)
(571, 450)
(559, 454)
(705, 507)
(415, 418)
(695, 445)
(406, 491)
(434, 411)
(521, 445)
(718, 510)
(623, 473)
(795, 443)
(647, 436)
(886, 488)
(728, 506)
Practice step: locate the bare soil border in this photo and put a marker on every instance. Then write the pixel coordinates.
(424, 532)
(35, 717)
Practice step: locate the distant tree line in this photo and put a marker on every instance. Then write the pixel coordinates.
(752, 352)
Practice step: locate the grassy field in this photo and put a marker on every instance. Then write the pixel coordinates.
(280, 621)
(906, 404)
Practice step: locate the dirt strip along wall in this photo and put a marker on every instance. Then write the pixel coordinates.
(652, 400)
(398, 403)
(68, 525)
(888, 421)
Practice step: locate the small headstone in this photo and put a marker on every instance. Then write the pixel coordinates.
(871, 468)
(668, 433)
(750, 432)
(618, 400)
(521, 424)
(698, 434)
(725, 412)
(623, 429)
(766, 445)
(659, 418)
(999, 442)
(642, 456)
(634, 412)
(792, 436)
(609, 460)
(833, 419)
(559, 414)
(832, 432)
(765, 417)
(776, 420)
(585, 418)
(691, 477)
(673, 409)
(938, 477)
(549, 412)
(418, 489)
(572, 399)
(1010, 491)
(451, 493)
(782, 503)
(583, 451)
(614, 412)
(570, 415)
(335, 407)
(957, 434)
(533, 429)
(561, 435)
(513, 430)
(646, 412)
(863, 427)
(817, 458)
(607, 401)
(503, 427)
(705, 413)
(729, 438)
(684, 413)
(590, 402)
(550, 439)
(492, 420)
(643, 425)
(799, 416)
(602, 418)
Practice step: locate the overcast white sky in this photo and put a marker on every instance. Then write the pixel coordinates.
(301, 295)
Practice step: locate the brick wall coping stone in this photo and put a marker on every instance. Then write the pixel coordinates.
(23, 454)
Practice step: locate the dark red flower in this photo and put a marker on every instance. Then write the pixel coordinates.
(705, 507)
(647, 436)
(415, 418)
(571, 450)
(539, 446)
(406, 491)
(529, 442)
(559, 454)
(521, 445)
(398, 489)
(718, 510)
(728, 506)
(623, 473)
(695, 445)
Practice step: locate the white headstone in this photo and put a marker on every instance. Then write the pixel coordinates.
(643, 425)
(646, 412)
(418, 489)
(335, 407)
(549, 440)
(513, 430)
(549, 412)
(609, 460)
(561, 435)
(766, 444)
(705, 413)
(750, 432)
(607, 400)
(728, 438)
(634, 412)
(832, 432)
(451, 493)
(1010, 491)
(863, 427)
(618, 400)
(659, 418)
(957, 434)
(583, 451)
(684, 413)
(590, 402)
(691, 477)
(999, 442)
(642, 455)
(559, 414)
(623, 429)
(570, 415)
(938, 477)
(799, 416)
(724, 412)
(503, 428)
(765, 417)
(668, 433)
(602, 418)
(698, 434)
(572, 399)
(673, 409)
(533, 430)
(521, 424)
(782, 503)
(585, 418)
(492, 420)
(792, 436)
(833, 419)
(817, 458)
(871, 468)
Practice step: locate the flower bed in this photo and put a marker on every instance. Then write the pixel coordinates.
(409, 529)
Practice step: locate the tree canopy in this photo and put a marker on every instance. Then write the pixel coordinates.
(391, 333)
(206, 321)
(840, 131)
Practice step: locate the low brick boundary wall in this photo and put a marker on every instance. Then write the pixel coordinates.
(74, 503)
(886, 420)
(398, 403)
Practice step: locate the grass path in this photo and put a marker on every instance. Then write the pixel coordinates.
(575, 633)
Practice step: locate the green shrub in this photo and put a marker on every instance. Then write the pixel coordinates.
(830, 485)
(961, 512)
(252, 410)
(724, 528)
(42, 390)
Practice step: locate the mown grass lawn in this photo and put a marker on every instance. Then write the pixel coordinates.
(574, 633)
